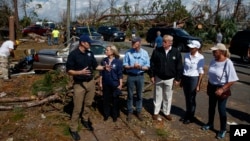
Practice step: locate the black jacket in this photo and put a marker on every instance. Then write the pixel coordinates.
(166, 67)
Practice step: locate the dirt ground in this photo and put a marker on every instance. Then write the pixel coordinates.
(49, 121)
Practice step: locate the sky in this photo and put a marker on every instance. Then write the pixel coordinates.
(52, 9)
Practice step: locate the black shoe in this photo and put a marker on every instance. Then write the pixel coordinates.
(87, 124)
(139, 116)
(129, 117)
(182, 119)
(114, 119)
(75, 135)
(187, 121)
(105, 118)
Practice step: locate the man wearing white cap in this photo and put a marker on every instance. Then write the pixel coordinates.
(191, 79)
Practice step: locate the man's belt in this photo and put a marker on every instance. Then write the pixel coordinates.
(135, 74)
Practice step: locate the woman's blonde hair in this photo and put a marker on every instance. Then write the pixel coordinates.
(226, 53)
(114, 50)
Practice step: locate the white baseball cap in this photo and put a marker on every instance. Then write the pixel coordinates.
(219, 46)
(194, 44)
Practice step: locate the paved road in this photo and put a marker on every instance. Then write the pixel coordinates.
(237, 106)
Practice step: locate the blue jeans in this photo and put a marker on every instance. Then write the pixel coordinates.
(56, 40)
(213, 99)
(189, 88)
(138, 82)
(49, 41)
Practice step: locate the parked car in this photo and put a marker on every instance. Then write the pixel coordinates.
(111, 33)
(240, 44)
(34, 29)
(90, 31)
(181, 37)
(55, 59)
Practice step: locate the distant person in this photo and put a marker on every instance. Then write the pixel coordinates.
(81, 64)
(165, 71)
(221, 76)
(219, 37)
(133, 32)
(158, 40)
(135, 62)
(6, 50)
(191, 79)
(111, 83)
(55, 35)
(49, 36)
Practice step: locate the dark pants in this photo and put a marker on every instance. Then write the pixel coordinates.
(110, 101)
(213, 99)
(138, 82)
(189, 88)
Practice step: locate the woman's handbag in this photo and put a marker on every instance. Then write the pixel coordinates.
(226, 93)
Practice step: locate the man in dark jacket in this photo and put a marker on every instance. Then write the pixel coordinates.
(165, 71)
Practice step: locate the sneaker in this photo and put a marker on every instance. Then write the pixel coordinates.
(139, 116)
(206, 127)
(221, 134)
(75, 135)
(87, 124)
(156, 117)
(168, 117)
(129, 117)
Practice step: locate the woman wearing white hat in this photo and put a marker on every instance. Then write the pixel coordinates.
(221, 76)
(191, 79)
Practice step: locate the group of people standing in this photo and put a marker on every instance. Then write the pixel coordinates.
(53, 36)
(166, 69)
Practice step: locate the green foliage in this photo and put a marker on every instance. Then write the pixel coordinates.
(26, 21)
(172, 10)
(51, 81)
(162, 133)
(6, 12)
(18, 114)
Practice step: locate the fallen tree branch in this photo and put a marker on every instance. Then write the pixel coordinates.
(17, 99)
(33, 103)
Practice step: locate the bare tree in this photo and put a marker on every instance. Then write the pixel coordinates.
(16, 13)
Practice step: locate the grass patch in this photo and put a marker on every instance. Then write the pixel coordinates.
(51, 81)
(18, 114)
(162, 133)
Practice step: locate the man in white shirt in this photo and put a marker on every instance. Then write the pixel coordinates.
(6, 50)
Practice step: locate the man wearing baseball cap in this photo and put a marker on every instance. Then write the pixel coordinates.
(80, 64)
(191, 79)
(135, 62)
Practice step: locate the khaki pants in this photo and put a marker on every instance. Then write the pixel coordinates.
(4, 67)
(83, 97)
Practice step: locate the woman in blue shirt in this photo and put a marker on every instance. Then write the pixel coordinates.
(111, 82)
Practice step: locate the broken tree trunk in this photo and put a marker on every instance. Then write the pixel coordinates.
(17, 99)
(33, 103)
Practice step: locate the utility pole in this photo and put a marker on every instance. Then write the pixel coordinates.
(68, 21)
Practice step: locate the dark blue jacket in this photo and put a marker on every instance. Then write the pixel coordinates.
(112, 78)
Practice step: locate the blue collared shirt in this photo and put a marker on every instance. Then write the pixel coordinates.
(132, 56)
